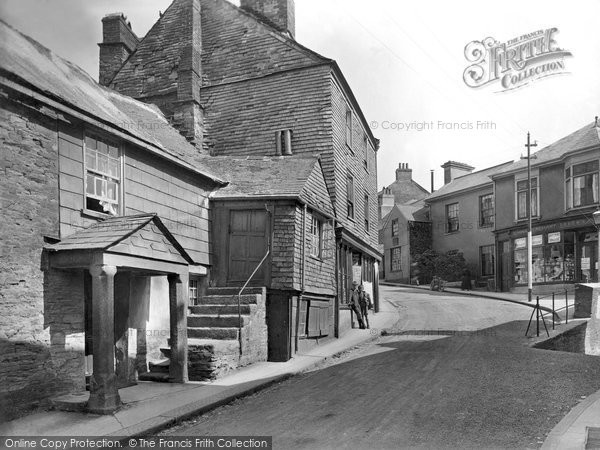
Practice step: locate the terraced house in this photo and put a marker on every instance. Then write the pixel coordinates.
(564, 195)
(217, 222)
(236, 83)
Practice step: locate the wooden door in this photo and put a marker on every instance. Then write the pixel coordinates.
(247, 245)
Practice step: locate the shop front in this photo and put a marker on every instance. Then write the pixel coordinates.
(563, 253)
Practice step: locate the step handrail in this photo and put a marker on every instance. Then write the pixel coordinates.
(239, 297)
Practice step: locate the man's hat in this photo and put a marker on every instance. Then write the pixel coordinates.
(355, 283)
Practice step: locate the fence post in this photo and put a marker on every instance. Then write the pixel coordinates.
(567, 308)
(553, 311)
(537, 315)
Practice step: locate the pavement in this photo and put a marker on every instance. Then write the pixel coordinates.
(150, 407)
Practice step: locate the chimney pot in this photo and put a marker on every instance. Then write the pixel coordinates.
(278, 13)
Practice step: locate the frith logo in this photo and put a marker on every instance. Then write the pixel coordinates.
(514, 63)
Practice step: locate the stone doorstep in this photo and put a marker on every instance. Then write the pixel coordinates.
(76, 402)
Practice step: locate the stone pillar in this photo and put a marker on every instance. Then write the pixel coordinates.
(104, 395)
(178, 304)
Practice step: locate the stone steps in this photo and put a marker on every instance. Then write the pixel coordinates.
(214, 333)
(216, 321)
(210, 358)
(218, 299)
(222, 310)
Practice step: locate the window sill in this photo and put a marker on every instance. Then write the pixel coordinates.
(448, 233)
(95, 214)
(316, 258)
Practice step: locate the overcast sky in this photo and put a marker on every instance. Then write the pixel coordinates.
(405, 63)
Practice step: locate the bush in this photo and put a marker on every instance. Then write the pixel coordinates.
(448, 266)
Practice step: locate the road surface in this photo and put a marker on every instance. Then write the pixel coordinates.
(453, 373)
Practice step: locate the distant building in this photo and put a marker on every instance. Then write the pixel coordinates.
(403, 191)
(405, 234)
(462, 214)
(565, 193)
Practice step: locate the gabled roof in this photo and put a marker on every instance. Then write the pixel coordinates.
(473, 180)
(407, 191)
(586, 137)
(141, 235)
(277, 177)
(37, 70)
(407, 211)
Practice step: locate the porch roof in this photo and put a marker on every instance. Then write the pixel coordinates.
(143, 236)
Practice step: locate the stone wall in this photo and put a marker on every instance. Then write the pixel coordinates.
(41, 340)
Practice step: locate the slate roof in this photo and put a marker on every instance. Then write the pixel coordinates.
(111, 232)
(28, 63)
(407, 191)
(586, 137)
(470, 181)
(292, 177)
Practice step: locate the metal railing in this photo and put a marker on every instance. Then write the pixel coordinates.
(540, 313)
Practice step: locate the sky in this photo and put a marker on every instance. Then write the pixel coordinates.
(404, 61)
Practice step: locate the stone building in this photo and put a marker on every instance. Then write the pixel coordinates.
(463, 214)
(105, 215)
(236, 83)
(405, 233)
(565, 191)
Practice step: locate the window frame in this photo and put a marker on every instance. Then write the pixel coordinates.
(395, 227)
(194, 287)
(367, 214)
(491, 247)
(316, 224)
(534, 191)
(350, 200)
(449, 229)
(570, 178)
(349, 128)
(118, 180)
(397, 261)
(482, 223)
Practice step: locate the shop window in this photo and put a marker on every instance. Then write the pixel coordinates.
(487, 260)
(452, 220)
(395, 227)
(315, 238)
(582, 184)
(396, 259)
(350, 196)
(521, 192)
(486, 210)
(102, 175)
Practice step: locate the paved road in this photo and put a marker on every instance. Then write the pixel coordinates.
(479, 387)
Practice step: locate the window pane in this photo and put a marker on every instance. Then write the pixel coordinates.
(113, 167)
(102, 148)
(102, 163)
(112, 190)
(90, 183)
(534, 203)
(113, 151)
(90, 143)
(522, 204)
(569, 195)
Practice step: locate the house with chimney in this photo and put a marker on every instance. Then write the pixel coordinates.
(463, 216)
(404, 229)
(235, 82)
(565, 192)
(137, 248)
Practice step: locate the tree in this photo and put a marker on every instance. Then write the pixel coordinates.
(448, 266)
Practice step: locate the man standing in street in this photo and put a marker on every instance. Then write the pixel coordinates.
(354, 304)
(363, 301)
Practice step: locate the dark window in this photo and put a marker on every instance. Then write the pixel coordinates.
(350, 196)
(522, 188)
(486, 210)
(395, 227)
(103, 175)
(582, 185)
(452, 221)
(487, 260)
(396, 259)
(366, 212)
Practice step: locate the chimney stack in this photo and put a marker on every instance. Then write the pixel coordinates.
(454, 169)
(386, 202)
(403, 173)
(281, 14)
(118, 42)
